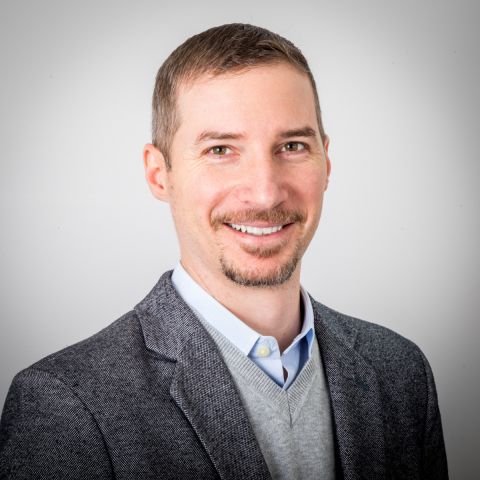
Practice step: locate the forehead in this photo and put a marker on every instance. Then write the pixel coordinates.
(262, 97)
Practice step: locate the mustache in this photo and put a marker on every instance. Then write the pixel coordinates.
(275, 216)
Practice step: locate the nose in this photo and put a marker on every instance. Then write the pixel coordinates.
(263, 185)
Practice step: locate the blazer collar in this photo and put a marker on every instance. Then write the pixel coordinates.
(201, 385)
(203, 388)
(354, 395)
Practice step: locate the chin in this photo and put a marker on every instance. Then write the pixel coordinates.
(261, 276)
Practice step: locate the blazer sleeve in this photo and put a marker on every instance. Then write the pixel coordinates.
(46, 432)
(434, 455)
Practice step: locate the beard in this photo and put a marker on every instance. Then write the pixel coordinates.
(258, 277)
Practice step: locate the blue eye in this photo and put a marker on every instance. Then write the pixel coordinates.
(293, 147)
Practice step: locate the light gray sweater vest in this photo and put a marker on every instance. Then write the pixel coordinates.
(293, 427)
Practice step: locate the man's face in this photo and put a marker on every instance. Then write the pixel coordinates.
(248, 174)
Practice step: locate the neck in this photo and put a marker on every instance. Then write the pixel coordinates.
(270, 311)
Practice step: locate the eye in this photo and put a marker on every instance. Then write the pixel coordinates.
(293, 147)
(220, 150)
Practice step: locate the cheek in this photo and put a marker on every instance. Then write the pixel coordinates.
(317, 189)
(310, 185)
(195, 196)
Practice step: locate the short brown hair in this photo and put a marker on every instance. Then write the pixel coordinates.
(222, 49)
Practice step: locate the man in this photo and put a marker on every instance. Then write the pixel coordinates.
(228, 369)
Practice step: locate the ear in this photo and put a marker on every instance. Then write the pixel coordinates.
(326, 144)
(155, 171)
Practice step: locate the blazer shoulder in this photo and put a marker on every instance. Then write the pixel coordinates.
(49, 426)
(98, 355)
(374, 342)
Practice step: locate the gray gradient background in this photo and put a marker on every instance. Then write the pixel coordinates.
(82, 240)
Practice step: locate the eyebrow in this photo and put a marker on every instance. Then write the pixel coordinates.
(299, 132)
(216, 135)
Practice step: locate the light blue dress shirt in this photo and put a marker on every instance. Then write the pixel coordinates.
(264, 351)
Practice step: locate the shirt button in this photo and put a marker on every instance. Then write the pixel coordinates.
(263, 351)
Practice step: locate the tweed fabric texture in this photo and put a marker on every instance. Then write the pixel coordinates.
(150, 397)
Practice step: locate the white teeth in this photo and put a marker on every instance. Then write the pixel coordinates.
(256, 230)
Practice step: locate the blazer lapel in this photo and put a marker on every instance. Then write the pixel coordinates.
(202, 386)
(355, 399)
(203, 389)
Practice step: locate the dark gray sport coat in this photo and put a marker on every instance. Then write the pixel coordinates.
(150, 397)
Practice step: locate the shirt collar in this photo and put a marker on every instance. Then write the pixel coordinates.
(229, 325)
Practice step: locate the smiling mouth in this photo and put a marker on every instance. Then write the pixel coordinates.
(256, 231)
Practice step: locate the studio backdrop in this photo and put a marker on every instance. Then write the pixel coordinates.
(82, 240)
